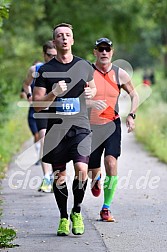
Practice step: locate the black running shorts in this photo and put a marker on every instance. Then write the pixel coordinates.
(42, 121)
(61, 147)
(105, 138)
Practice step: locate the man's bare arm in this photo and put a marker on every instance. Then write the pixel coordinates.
(127, 85)
(41, 100)
(28, 81)
(129, 88)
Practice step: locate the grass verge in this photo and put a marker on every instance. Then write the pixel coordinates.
(151, 121)
(151, 130)
(13, 133)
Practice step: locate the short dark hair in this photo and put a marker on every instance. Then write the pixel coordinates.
(61, 25)
(48, 45)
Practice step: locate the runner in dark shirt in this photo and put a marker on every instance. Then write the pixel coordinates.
(63, 85)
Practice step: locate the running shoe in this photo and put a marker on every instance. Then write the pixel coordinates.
(45, 186)
(105, 215)
(77, 223)
(64, 227)
(96, 187)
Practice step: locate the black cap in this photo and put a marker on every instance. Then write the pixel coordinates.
(103, 40)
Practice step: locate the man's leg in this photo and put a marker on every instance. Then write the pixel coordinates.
(46, 185)
(33, 127)
(79, 185)
(95, 175)
(37, 146)
(100, 135)
(95, 170)
(79, 188)
(110, 185)
(112, 151)
(61, 195)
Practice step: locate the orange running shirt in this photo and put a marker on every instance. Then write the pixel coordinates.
(108, 89)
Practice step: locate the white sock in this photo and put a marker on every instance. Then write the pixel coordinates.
(38, 147)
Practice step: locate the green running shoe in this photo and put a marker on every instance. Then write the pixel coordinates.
(45, 186)
(64, 227)
(77, 223)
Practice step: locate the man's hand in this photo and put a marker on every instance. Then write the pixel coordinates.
(88, 92)
(130, 123)
(59, 88)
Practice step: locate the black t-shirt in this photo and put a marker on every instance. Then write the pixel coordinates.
(69, 109)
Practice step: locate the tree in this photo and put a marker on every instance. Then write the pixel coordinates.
(158, 8)
(4, 11)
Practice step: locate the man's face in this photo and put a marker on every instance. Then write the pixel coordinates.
(50, 53)
(63, 38)
(103, 53)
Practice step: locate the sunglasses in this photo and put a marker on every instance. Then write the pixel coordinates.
(102, 48)
(50, 55)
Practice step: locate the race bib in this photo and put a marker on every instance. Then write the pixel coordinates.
(67, 106)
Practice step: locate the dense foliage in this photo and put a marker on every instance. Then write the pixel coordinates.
(136, 29)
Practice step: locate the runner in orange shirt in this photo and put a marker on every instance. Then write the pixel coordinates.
(105, 121)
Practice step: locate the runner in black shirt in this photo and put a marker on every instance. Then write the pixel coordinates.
(63, 85)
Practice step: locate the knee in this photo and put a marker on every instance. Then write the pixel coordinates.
(82, 176)
(110, 162)
(59, 177)
(111, 165)
(81, 173)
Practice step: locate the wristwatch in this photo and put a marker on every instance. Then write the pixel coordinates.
(132, 115)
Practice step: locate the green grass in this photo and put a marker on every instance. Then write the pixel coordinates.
(151, 122)
(13, 133)
(7, 235)
(151, 130)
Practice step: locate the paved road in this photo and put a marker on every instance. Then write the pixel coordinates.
(140, 208)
